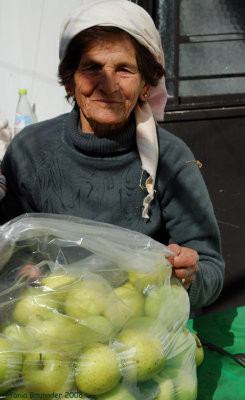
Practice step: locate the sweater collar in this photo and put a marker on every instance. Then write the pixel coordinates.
(120, 142)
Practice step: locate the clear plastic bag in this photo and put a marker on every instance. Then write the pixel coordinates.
(89, 310)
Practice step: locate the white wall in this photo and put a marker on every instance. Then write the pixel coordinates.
(29, 40)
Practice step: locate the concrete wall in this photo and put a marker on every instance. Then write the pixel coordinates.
(29, 40)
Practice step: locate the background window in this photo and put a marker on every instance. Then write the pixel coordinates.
(204, 45)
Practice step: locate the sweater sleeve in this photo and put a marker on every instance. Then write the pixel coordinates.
(11, 205)
(20, 181)
(190, 221)
(25, 155)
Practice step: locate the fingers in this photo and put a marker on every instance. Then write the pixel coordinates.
(185, 264)
(187, 284)
(30, 272)
(183, 256)
(175, 250)
(185, 276)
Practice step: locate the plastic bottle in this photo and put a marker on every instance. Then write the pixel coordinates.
(24, 113)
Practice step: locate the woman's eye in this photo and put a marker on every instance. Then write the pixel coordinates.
(125, 70)
(92, 67)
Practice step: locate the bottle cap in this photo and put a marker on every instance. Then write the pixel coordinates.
(22, 91)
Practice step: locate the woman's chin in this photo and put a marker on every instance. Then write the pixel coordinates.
(104, 127)
(103, 130)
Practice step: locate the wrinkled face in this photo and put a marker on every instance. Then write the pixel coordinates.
(107, 85)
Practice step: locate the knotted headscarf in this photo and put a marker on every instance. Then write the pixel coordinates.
(133, 19)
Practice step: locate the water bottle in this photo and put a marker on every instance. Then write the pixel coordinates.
(25, 115)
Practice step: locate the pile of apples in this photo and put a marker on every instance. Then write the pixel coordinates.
(81, 337)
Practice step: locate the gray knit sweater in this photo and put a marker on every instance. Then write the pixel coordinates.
(53, 167)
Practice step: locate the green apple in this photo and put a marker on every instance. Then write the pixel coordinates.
(86, 298)
(146, 390)
(112, 274)
(129, 285)
(132, 298)
(170, 304)
(154, 301)
(116, 311)
(22, 337)
(143, 281)
(185, 383)
(180, 342)
(166, 387)
(140, 323)
(63, 332)
(34, 303)
(102, 329)
(120, 392)
(10, 364)
(97, 369)
(141, 354)
(179, 301)
(149, 324)
(58, 284)
(181, 350)
(122, 303)
(47, 371)
(199, 350)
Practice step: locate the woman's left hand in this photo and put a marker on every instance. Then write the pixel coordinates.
(184, 264)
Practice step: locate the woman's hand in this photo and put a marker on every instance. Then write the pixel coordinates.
(184, 264)
(31, 273)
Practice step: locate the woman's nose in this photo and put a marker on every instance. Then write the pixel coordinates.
(108, 81)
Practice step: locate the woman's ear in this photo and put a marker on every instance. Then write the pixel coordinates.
(145, 92)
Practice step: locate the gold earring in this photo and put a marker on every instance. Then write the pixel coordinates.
(145, 95)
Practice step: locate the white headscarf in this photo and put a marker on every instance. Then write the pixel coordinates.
(133, 19)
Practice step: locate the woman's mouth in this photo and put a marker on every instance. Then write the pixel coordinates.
(106, 101)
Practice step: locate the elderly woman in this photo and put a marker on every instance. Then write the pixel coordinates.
(107, 159)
